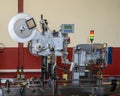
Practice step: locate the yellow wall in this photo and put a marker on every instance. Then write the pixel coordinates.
(103, 16)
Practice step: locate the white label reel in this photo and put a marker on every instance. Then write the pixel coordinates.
(22, 27)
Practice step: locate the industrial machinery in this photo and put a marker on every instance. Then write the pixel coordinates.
(89, 61)
(45, 43)
(86, 67)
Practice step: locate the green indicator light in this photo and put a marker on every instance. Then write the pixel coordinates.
(91, 37)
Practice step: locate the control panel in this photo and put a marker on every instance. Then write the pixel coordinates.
(67, 28)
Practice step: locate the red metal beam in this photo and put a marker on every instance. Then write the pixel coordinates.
(20, 6)
(20, 45)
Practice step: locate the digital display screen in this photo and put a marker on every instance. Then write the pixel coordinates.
(31, 23)
(68, 27)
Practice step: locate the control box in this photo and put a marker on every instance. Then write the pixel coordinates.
(67, 28)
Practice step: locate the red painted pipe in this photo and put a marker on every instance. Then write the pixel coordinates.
(20, 45)
(20, 6)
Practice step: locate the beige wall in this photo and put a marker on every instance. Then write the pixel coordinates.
(8, 8)
(103, 16)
